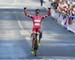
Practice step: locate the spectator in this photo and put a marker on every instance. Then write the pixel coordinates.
(55, 4)
(72, 13)
(63, 7)
(72, 10)
(41, 1)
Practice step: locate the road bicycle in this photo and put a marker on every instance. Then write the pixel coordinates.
(36, 42)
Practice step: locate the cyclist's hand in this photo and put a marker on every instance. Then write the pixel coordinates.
(49, 11)
(25, 8)
(49, 8)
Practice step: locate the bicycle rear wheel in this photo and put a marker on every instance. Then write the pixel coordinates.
(35, 47)
(35, 44)
(35, 51)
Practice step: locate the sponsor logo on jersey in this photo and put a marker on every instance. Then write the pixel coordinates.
(37, 24)
(37, 20)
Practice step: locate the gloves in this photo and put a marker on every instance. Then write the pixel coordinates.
(25, 8)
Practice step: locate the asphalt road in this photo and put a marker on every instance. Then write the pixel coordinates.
(15, 41)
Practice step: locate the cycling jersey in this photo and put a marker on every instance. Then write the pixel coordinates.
(37, 22)
(37, 19)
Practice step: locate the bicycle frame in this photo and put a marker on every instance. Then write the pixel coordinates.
(35, 39)
(34, 43)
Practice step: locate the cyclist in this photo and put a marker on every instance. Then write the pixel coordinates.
(37, 20)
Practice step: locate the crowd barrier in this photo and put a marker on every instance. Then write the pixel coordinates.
(63, 21)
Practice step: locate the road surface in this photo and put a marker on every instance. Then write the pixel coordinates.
(15, 41)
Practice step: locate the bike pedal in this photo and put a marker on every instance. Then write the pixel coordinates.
(39, 44)
(33, 52)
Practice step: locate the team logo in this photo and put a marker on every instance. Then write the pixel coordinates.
(37, 20)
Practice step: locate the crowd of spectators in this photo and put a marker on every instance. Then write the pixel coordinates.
(63, 10)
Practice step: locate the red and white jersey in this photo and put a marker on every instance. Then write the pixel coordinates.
(37, 20)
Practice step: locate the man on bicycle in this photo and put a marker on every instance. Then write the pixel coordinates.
(37, 20)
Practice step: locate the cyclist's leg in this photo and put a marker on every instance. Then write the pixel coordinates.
(33, 36)
(40, 34)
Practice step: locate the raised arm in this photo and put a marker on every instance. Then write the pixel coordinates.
(48, 13)
(26, 13)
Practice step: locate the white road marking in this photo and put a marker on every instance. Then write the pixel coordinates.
(59, 44)
(20, 25)
(8, 30)
(56, 58)
(23, 31)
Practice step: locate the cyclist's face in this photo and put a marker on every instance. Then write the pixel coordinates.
(37, 12)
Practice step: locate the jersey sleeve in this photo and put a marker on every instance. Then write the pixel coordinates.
(44, 16)
(29, 16)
